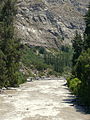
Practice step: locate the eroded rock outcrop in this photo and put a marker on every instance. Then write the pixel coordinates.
(50, 23)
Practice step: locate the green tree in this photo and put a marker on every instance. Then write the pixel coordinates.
(77, 44)
(81, 64)
(9, 45)
(83, 73)
(3, 72)
(87, 30)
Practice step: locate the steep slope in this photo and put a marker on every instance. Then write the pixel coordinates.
(50, 23)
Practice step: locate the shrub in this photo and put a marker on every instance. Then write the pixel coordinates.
(21, 78)
(75, 85)
(69, 79)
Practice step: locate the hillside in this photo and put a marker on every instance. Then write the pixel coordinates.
(50, 23)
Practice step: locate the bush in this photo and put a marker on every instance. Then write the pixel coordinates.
(69, 79)
(21, 78)
(42, 50)
(41, 66)
(52, 72)
(75, 85)
(41, 74)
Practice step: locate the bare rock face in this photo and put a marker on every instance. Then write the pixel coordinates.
(50, 23)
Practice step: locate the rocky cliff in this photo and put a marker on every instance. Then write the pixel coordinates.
(50, 23)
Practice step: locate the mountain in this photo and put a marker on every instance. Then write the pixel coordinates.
(49, 23)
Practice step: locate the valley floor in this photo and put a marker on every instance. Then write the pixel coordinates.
(40, 100)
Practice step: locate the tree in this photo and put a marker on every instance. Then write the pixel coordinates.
(9, 45)
(87, 30)
(81, 64)
(83, 73)
(77, 44)
(3, 72)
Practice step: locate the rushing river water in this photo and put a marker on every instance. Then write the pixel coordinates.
(40, 100)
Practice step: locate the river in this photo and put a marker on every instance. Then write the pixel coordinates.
(40, 100)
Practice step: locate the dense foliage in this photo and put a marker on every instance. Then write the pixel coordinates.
(79, 82)
(47, 62)
(83, 73)
(87, 30)
(32, 60)
(59, 61)
(77, 44)
(9, 46)
(3, 70)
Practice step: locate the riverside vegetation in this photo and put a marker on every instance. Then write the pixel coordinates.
(10, 53)
(79, 82)
(47, 61)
